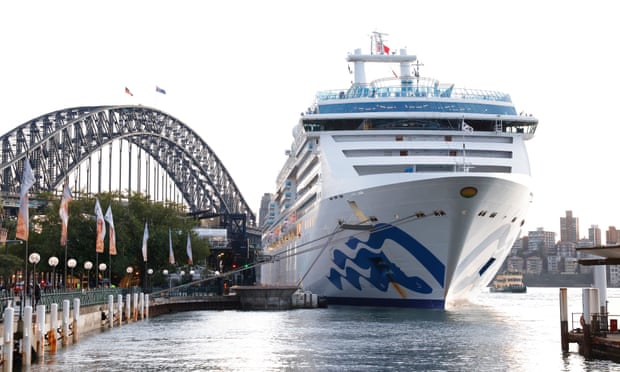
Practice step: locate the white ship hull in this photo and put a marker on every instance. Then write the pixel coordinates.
(405, 260)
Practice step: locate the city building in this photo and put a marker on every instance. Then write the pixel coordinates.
(569, 228)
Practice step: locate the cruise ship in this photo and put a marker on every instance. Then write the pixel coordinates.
(400, 190)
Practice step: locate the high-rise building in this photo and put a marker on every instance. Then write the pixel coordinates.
(541, 240)
(612, 236)
(594, 235)
(569, 228)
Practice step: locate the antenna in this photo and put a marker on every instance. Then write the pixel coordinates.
(377, 45)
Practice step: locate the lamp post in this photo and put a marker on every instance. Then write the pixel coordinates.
(129, 272)
(53, 261)
(72, 263)
(150, 278)
(166, 274)
(87, 266)
(34, 259)
(102, 267)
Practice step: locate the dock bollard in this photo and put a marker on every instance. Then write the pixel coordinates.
(27, 336)
(590, 302)
(128, 307)
(141, 305)
(76, 318)
(7, 347)
(564, 319)
(65, 323)
(111, 311)
(40, 333)
(51, 334)
(134, 305)
(146, 305)
(120, 309)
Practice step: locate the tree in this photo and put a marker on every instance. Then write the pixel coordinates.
(130, 215)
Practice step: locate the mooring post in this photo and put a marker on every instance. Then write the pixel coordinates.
(26, 336)
(40, 331)
(589, 298)
(51, 334)
(134, 305)
(146, 305)
(7, 347)
(141, 305)
(111, 310)
(76, 318)
(564, 319)
(65, 323)
(120, 309)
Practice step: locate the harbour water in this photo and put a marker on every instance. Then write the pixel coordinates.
(496, 332)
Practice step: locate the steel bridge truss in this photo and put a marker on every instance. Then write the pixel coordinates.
(57, 144)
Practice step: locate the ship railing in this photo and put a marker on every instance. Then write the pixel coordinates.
(368, 91)
(600, 323)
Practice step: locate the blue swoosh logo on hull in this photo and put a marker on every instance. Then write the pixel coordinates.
(382, 270)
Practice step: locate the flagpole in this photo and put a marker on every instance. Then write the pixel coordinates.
(64, 282)
(97, 271)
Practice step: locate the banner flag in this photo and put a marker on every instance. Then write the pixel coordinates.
(22, 217)
(100, 227)
(110, 219)
(64, 212)
(144, 239)
(189, 250)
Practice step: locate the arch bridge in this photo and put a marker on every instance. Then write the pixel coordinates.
(135, 147)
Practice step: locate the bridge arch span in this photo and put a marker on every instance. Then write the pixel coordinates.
(61, 145)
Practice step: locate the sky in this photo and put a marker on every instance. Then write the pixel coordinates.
(239, 73)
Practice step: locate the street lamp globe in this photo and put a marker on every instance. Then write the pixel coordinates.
(34, 258)
(53, 261)
(129, 269)
(149, 271)
(102, 266)
(88, 265)
(165, 272)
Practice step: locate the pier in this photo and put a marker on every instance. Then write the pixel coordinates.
(27, 333)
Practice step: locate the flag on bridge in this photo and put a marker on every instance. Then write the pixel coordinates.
(189, 250)
(171, 255)
(100, 227)
(144, 239)
(160, 90)
(128, 91)
(22, 218)
(64, 212)
(110, 219)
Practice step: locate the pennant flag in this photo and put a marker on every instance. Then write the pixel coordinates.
(64, 212)
(159, 90)
(386, 50)
(189, 250)
(144, 239)
(100, 227)
(108, 217)
(22, 218)
(128, 91)
(171, 255)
